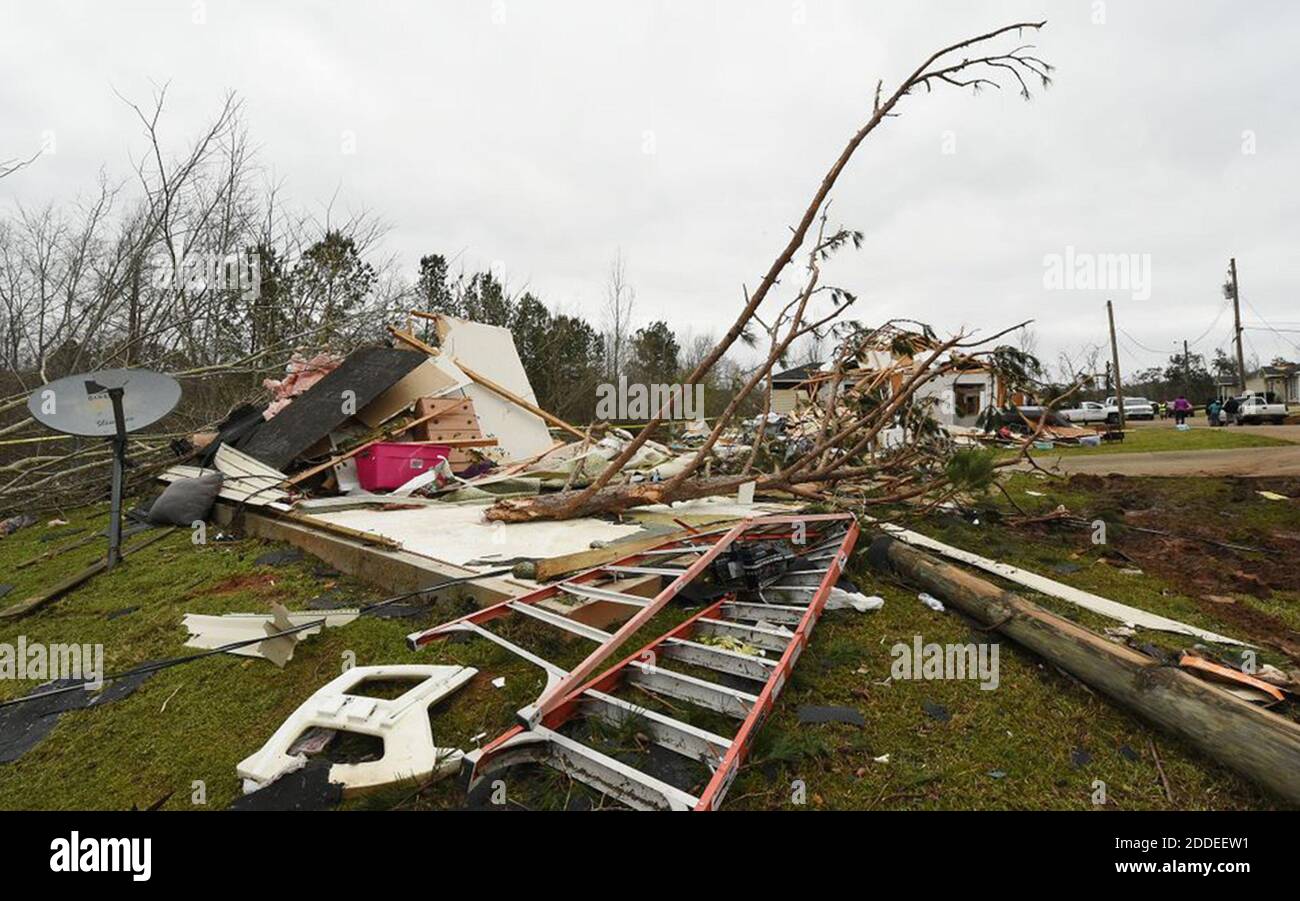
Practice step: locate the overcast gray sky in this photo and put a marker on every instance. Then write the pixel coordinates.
(541, 137)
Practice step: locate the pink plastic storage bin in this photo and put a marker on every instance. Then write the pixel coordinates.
(391, 464)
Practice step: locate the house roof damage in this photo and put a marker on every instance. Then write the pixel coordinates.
(407, 445)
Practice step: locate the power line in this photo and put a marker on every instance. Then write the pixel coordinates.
(1140, 344)
(1132, 357)
(1272, 329)
(1254, 350)
(1222, 309)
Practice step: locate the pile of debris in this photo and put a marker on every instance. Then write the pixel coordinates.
(442, 454)
(402, 425)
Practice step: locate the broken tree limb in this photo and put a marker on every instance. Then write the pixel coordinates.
(1260, 745)
(940, 66)
(619, 498)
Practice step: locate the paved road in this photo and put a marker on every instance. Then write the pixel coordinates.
(1245, 461)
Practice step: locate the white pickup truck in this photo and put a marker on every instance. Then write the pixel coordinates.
(1256, 408)
(1087, 411)
(1134, 408)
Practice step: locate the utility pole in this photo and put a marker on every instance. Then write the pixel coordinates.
(1187, 369)
(1114, 361)
(1236, 312)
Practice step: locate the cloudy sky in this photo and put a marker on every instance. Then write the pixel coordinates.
(540, 138)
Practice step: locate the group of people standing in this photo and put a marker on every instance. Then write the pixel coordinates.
(1217, 412)
(1222, 412)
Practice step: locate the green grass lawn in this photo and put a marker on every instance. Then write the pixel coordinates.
(1040, 741)
(1157, 440)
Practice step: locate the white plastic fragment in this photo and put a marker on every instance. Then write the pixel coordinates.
(499, 682)
(930, 601)
(840, 599)
(745, 496)
(212, 632)
(402, 723)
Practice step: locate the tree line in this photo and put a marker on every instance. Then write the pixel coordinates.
(194, 264)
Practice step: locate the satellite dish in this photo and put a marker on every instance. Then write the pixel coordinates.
(107, 404)
(83, 405)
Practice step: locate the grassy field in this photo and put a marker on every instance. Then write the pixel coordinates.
(1152, 440)
(1039, 741)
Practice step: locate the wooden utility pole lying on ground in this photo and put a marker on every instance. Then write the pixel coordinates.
(1259, 745)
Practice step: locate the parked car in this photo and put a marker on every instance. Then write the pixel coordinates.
(1134, 408)
(1022, 419)
(1258, 408)
(1087, 411)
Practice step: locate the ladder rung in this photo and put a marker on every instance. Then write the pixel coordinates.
(634, 788)
(823, 555)
(560, 621)
(513, 648)
(687, 740)
(720, 659)
(783, 614)
(677, 551)
(764, 637)
(643, 570)
(601, 594)
(718, 698)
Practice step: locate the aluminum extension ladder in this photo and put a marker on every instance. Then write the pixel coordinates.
(779, 630)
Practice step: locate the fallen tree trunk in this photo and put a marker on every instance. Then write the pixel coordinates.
(1259, 745)
(619, 498)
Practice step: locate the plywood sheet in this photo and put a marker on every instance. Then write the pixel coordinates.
(459, 534)
(490, 351)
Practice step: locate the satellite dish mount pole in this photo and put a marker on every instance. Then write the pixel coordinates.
(119, 466)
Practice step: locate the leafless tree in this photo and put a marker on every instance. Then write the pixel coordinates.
(162, 270)
(620, 297)
(965, 64)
